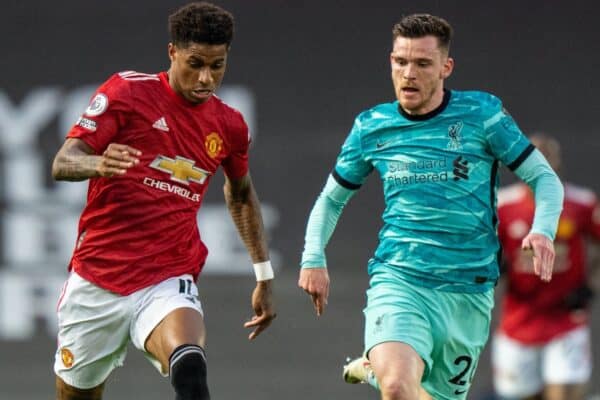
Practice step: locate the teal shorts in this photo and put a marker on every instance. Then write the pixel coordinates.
(447, 329)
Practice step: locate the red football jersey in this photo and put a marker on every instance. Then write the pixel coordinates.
(532, 310)
(140, 228)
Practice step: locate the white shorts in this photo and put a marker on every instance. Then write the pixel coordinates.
(96, 325)
(522, 370)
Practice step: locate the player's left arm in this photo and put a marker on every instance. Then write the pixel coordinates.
(509, 145)
(548, 192)
(244, 207)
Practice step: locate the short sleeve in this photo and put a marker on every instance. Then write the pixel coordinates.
(235, 164)
(104, 116)
(351, 168)
(506, 141)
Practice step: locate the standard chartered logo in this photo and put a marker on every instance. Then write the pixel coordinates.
(423, 165)
(401, 173)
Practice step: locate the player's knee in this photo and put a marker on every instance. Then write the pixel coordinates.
(398, 388)
(187, 366)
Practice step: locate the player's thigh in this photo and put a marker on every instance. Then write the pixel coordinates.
(170, 315)
(395, 313)
(460, 328)
(93, 333)
(517, 368)
(448, 330)
(395, 317)
(568, 359)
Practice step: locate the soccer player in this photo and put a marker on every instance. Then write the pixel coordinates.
(542, 348)
(149, 145)
(437, 152)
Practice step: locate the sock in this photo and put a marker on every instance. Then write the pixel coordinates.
(371, 380)
(187, 368)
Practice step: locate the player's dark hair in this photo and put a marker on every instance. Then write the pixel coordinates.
(201, 22)
(421, 25)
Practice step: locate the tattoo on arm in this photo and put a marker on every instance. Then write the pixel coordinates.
(244, 208)
(75, 161)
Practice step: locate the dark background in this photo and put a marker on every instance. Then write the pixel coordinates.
(312, 66)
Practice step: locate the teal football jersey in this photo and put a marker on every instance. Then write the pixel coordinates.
(440, 176)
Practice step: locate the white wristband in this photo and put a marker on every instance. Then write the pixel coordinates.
(263, 271)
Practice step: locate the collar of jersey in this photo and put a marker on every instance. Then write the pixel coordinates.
(430, 114)
(164, 78)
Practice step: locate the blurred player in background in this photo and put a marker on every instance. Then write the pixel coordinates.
(542, 347)
(432, 276)
(149, 144)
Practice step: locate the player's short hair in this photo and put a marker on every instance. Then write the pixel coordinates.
(421, 25)
(201, 22)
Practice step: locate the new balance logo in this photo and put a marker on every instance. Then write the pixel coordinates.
(161, 124)
(461, 168)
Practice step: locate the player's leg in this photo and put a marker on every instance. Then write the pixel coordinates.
(67, 392)
(359, 370)
(398, 369)
(178, 343)
(398, 339)
(576, 391)
(170, 328)
(460, 325)
(517, 369)
(567, 365)
(92, 338)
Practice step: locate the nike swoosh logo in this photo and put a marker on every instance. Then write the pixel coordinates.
(458, 391)
(379, 145)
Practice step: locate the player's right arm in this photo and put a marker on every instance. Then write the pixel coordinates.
(314, 278)
(90, 150)
(77, 161)
(350, 172)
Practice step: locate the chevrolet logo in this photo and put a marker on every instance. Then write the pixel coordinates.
(181, 169)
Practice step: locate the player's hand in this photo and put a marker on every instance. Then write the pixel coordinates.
(263, 308)
(543, 254)
(315, 282)
(117, 159)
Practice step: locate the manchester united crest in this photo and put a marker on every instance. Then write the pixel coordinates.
(213, 144)
(67, 357)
